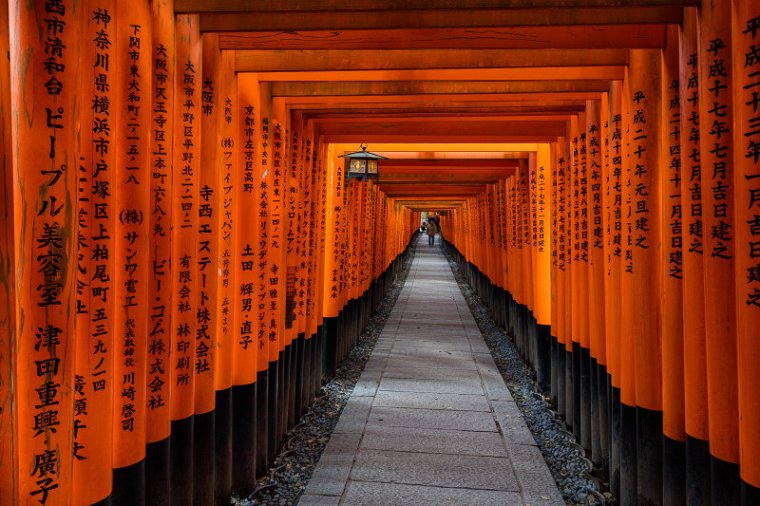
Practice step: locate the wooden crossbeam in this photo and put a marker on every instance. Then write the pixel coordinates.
(286, 60)
(497, 37)
(236, 6)
(375, 88)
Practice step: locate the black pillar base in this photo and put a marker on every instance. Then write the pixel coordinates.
(750, 495)
(129, 485)
(243, 439)
(203, 458)
(726, 485)
(615, 438)
(697, 472)
(673, 472)
(157, 473)
(273, 398)
(223, 447)
(261, 416)
(649, 456)
(182, 462)
(628, 462)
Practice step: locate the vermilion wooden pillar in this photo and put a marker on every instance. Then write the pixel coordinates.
(131, 111)
(716, 130)
(671, 277)
(94, 387)
(596, 272)
(224, 219)
(185, 273)
(160, 289)
(746, 47)
(612, 282)
(645, 102)
(695, 359)
(250, 346)
(8, 330)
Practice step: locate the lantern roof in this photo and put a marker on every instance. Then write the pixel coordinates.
(364, 154)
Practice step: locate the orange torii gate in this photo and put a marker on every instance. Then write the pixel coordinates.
(184, 261)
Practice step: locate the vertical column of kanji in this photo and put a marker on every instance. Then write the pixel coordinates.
(185, 273)
(160, 249)
(297, 233)
(93, 407)
(131, 239)
(671, 275)
(596, 267)
(646, 123)
(224, 220)
(267, 326)
(207, 250)
(603, 369)
(292, 199)
(44, 65)
(272, 146)
(245, 323)
(574, 300)
(581, 284)
(334, 194)
(556, 274)
(563, 272)
(510, 246)
(8, 441)
(527, 257)
(747, 181)
(695, 359)
(542, 265)
(612, 287)
(717, 159)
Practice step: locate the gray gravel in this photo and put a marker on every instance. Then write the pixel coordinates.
(564, 456)
(292, 469)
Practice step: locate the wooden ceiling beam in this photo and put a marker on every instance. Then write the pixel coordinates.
(530, 37)
(471, 88)
(540, 98)
(199, 6)
(271, 60)
(568, 73)
(421, 137)
(413, 110)
(445, 128)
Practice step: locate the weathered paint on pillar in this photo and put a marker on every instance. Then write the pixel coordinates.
(8, 357)
(45, 98)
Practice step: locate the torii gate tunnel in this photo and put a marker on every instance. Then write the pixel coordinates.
(183, 261)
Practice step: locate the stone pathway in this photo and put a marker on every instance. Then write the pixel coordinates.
(430, 421)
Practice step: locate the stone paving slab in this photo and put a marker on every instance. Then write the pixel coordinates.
(468, 471)
(407, 439)
(430, 421)
(397, 494)
(381, 416)
(432, 401)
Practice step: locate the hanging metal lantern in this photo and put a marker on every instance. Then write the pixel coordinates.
(362, 164)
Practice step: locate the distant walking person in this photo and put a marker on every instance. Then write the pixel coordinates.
(431, 230)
